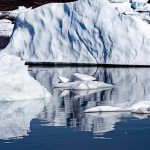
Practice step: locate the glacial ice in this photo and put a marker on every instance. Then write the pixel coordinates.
(84, 77)
(63, 79)
(16, 83)
(20, 9)
(87, 31)
(6, 27)
(141, 107)
(83, 85)
(86, 83)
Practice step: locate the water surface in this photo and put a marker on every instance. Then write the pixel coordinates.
(60, 123)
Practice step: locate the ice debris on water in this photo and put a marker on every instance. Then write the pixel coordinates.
(137, 107)
(86, 83)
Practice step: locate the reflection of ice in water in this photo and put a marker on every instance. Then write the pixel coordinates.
(131, 84)
(15, 117)
(100, 123)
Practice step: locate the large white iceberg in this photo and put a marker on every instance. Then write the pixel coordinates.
(85, 31)
(16, 83)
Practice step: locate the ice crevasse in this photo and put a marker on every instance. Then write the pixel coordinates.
(85, 31)
(16, 83)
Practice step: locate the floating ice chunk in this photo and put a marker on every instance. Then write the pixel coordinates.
(84, 77)
(64, 93)
(105, 109)
(118, 1)
(141, 110)
(131, 12)
(63, 79)
(16, 83)
(135, 107)
(83, 85)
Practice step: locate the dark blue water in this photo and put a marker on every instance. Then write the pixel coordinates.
(60, 123)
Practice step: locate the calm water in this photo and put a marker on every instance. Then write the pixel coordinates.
(60, 123)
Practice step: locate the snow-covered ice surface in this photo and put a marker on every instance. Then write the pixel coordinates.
(63, 79)
(141, 107)
(16, 83)
(83, 30)
(84, 77)
(20, 9)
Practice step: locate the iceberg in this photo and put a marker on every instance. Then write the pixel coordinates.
(21, 9)
(140, 107)
(6, 27)
(138, 3)
(85, 31)
(63, 79)
(86, 83)
(84, 77)
(16, 83)
(83, 85)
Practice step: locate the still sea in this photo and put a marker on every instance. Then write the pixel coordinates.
(59, 123)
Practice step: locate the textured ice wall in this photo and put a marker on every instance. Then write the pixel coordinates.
(85, 31)
(16, 83)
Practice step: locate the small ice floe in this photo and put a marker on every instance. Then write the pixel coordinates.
(86, 83)
(139, 107)
(63, 79)
(141, 110)
(84, 77)
(64, 93)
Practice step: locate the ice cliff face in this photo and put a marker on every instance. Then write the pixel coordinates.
(16, 83)
(86, 31)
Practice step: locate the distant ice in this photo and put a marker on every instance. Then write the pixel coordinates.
(6, 27)
(21, 9)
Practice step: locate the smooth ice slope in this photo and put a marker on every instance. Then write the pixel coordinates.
(16, 83)
(85, 31)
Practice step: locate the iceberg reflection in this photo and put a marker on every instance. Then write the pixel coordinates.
(15, 117)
